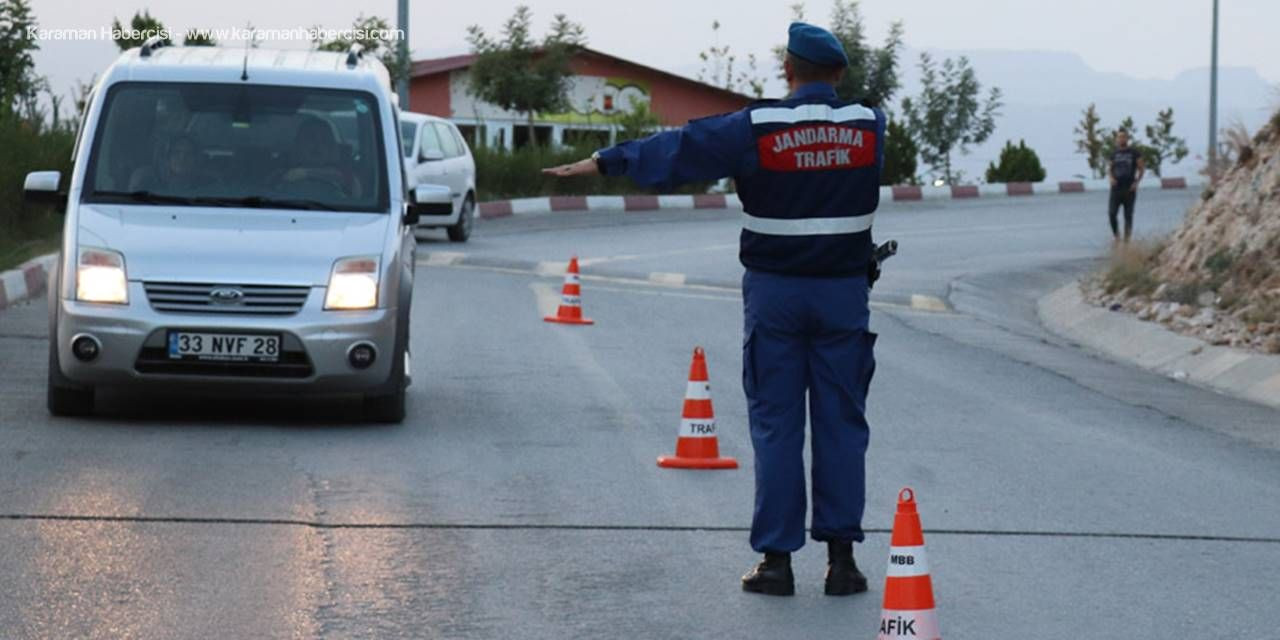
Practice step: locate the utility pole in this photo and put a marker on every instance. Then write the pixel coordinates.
(402, 23)
(1213, 99)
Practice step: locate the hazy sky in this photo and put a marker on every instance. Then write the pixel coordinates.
(1148, 38)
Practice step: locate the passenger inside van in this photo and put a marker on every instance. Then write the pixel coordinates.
(178, 171)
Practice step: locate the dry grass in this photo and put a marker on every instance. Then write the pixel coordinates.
(1132, 268)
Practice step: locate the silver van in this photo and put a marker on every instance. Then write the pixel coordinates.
(237, 222)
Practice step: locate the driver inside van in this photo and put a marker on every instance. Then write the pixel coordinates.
(177, 172)
(316, 158)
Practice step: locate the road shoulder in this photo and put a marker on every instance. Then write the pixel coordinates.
(1235, 372)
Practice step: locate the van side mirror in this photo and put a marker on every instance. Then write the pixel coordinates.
(430, 155)
(41, 187)
(428, 200)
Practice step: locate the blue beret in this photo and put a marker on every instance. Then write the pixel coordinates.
(817, 45)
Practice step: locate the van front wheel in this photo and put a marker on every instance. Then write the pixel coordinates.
(460, 231)
(389, 408)
(64, 398)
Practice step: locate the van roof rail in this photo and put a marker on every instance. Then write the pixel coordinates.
(151, 44)
(354, 54)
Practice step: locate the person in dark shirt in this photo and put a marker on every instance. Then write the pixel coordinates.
(1125, 170)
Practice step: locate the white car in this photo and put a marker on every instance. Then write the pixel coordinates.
(436, 153)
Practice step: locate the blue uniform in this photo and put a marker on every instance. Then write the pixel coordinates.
(807, 170)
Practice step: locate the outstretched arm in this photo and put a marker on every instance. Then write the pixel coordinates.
(705, 149)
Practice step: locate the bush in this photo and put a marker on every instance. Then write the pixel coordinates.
(1132, 267)
(24, 147)
(502, 174)
(900, 153)
(1017, 164)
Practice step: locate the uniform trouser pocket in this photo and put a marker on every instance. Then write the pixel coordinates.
(869, 360)
(842, 366)
(773, 377)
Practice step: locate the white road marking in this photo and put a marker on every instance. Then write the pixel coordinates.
(668, 292)
(552, 268)
(928, 303)
(669, 279)
(660, 254)
(443, 258)
(546, 297)
(549, 294)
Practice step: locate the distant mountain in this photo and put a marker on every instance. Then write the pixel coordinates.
(1045, 93)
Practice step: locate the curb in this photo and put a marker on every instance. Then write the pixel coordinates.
(1234, 372)
(27, 281)
(556, 204)
(559, 204)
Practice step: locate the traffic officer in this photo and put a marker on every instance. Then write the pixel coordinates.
(807, 169)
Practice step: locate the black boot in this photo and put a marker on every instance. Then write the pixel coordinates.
(843, 577)
(771, 577)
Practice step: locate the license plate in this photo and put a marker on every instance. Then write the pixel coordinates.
(231, 347)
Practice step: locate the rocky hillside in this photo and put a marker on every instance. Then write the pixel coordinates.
(1218, 277)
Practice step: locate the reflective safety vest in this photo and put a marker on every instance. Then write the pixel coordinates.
(809, 204)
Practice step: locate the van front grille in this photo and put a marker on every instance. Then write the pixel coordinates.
(233, 299)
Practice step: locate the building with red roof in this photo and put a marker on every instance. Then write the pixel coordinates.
(602, 89)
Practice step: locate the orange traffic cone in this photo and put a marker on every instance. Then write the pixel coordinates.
(570, 311)
(697, 446)
(908, 592)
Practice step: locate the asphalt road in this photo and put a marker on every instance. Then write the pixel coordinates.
(1063, 496)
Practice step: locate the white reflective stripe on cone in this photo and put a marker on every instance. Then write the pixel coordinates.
(571, 278)
(698, 391)
(907, 562)
(807, 226)
(811, 113)
(918, 625)
(570, 301)
(698, 428)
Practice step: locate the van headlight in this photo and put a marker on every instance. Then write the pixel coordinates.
(353, 284)
(100, 276)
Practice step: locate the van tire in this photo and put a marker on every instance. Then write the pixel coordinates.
(461, 230)
(65, 398)
(389, 408)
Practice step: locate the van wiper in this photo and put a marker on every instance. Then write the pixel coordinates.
(148, 197)
(253, 202)
(259, 202)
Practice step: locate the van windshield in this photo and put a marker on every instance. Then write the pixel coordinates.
(207, 144)
(407, 131)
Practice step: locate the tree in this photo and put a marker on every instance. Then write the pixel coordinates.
(1090, 141)
(638, 122)
(1159, 147)
(141, 27)
(1017, 164)
(199, 38)
(900, 152)
(80, 95)
(519, 75)
(717, 68)
(872, 75)
(378, 41)
(1161, 144)
(948, 115)
(19, 84)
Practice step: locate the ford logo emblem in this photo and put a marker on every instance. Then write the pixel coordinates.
(226, 295)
